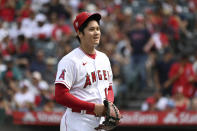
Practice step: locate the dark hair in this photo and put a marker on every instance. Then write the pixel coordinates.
(21, 37)
(183, 55)
(84, 25)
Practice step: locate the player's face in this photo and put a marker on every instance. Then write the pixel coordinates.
(91, 34)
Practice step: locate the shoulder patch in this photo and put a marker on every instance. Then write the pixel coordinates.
(62, 74)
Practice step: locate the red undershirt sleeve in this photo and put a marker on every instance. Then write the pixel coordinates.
(110, 95)
(63, 97)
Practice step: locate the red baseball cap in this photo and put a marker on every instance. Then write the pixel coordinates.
(82, 17)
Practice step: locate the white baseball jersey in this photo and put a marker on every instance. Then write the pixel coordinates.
(88, 79)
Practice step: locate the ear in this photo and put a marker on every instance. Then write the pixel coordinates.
(80, 34)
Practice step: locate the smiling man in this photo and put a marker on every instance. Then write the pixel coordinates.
(84, 78)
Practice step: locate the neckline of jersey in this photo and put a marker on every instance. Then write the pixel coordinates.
(93, 56)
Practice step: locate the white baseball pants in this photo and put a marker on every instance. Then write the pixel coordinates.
(73, 121)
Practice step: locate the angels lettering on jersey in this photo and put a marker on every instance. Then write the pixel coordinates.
(91, 78)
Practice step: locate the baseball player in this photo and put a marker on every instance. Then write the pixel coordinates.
(84, 78)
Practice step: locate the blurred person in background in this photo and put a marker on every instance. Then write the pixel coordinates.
(38, 5)
(59, 8)
(61, 30)
(121, 69)
(150, 104)
(38, 63)
(182, 103)
(139, 37)
(24, 99)
(31, 81)
(7, 10)
(166, 104)
(49, 74)
(158, 42)
(25, 10)
(45, 95)
(181, 75)
(22, 47)
(23, 56)
(53, 18)
(9, 79)
(39, 89)
(49, 106)
(162, 68)
(43, 29)
(7, 47)
(170, 106)
(119, 87)
(16, 29)
(28, 26)
(11, 73)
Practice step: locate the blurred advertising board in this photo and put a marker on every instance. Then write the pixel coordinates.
(130, 118)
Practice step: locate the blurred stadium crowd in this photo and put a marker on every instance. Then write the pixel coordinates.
(151, 44)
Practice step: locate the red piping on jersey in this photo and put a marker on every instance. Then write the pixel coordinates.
(63, 83)
(93, 56)
(63, 97)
